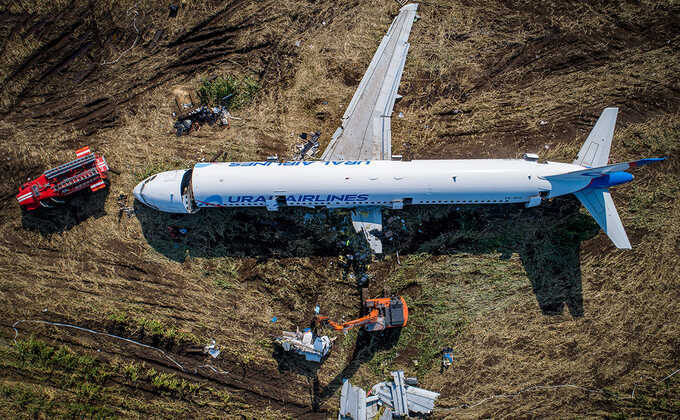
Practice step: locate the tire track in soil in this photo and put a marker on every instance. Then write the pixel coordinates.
(48, 94)
(256, 386)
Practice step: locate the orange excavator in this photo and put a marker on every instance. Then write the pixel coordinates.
(380, 313)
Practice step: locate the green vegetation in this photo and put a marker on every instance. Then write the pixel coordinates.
(223, 283)
(72, 385)
(38, 354)
(169, 383)
(242, 91)
(152, 327)
(225, 273)
(55, 366)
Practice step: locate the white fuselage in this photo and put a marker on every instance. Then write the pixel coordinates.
(336, 184)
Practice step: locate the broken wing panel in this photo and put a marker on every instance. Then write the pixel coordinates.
(365, 133)
(369, 221)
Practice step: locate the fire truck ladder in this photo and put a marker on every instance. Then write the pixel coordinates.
(66, 167)
(65, 185)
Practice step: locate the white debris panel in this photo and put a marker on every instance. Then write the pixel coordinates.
(369, 221)
(398, 398)
(354, 405)
(305, 343)
(403, 398)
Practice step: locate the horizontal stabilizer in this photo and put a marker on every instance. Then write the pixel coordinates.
(599, 203)
(602, 170)
(595, 151)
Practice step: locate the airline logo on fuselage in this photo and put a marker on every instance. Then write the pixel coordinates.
(217, 200)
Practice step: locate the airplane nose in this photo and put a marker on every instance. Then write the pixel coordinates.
(137, 192)
(163, 191)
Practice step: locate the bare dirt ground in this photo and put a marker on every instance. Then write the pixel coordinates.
(531, 299)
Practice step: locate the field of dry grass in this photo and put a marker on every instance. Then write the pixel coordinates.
(527, 297)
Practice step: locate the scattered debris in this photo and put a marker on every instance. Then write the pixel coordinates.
(297, 43)
(404, 398)
(542, 122)
(310, 148)
(354, 405)
(182, 127)
(274, 319)
(400, 397)
(212, 349)
(401, 115)
(356, 265)
(306, 343)
(203, 115)
(123, 208)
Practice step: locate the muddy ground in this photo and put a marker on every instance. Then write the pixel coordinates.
(546, 317)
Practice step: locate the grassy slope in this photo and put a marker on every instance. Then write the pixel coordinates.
(476, 278)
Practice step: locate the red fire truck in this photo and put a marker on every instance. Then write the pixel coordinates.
(53, 186)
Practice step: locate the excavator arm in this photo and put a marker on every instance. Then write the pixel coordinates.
(370, 318)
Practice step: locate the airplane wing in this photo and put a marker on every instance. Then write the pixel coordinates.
(369, 220)
(365, 132)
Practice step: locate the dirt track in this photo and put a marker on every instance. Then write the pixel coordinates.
(528, 297)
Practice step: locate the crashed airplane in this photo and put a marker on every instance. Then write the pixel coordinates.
(356, 170)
